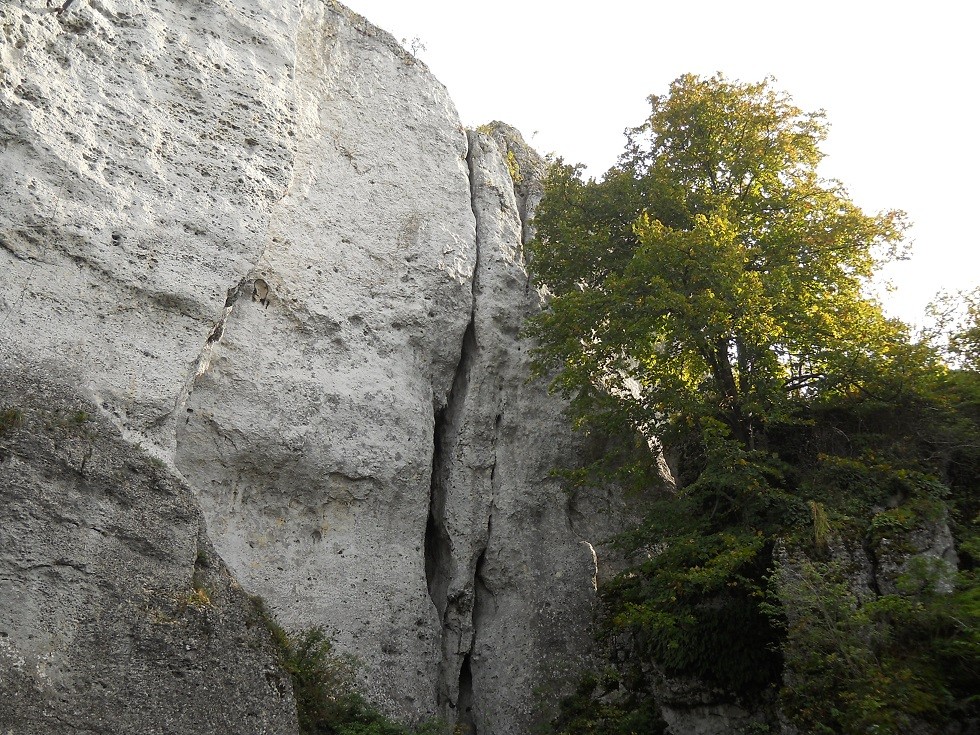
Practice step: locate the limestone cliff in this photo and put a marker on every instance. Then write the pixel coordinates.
(258, 240)
(116, 616)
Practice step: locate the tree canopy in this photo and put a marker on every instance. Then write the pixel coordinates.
(955, 327)
(712, 273)
(708, 295)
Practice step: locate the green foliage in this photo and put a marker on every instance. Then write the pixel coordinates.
(10, 419)
(514, 168)
(601, 706)
(894, 663)
(510, 158)
(327, 702)
(693, 605)
(955, 327)
(708, 298)
(857, 473)
(712, 274)
(702, 291)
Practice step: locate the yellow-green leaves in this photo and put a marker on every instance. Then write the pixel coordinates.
(708, 294)
(720, 272)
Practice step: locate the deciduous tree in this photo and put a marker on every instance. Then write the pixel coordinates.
(712, 275)
(709, 293)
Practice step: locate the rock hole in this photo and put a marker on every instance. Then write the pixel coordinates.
(260, 292)
(464, 707)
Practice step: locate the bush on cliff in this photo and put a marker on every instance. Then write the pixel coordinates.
(327, 702)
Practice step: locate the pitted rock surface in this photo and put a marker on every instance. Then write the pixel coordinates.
(257, 239)
(116, 615)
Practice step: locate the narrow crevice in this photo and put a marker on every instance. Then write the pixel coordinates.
(219, 327)
(872, 558)
(465, 716)
(465, 723)
(438, 542)
(200, 364)
(480, 586)
(455, 583)
(523, 216)
(483, 595)
(203, 361)
(438, 547)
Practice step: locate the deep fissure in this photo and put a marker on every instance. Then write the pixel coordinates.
(438, 543)
(464, 707)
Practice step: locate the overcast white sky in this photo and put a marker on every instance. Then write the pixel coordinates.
(898, 81)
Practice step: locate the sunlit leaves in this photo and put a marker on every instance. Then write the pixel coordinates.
(703, 293)
(712, 267)
(709, 294)
(955, 327)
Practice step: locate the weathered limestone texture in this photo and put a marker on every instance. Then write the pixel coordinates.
(308, 428)
(257, 238)
(144, 146)
(526, 168)
(511, 564)
(116, 616)
(914, 557)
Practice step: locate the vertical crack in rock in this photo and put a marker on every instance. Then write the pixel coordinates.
(527, 169)
(440, 561)
(438, 545)
(203, 362)
(873, 563)
(478, 614)
(460, 513)
(464, 707)
(249, 285)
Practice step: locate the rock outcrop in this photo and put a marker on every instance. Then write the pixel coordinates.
(511, 564)
(259, 241)
(116, 615)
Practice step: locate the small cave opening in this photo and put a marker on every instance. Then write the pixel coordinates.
(465, 722)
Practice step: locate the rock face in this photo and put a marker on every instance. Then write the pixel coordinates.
(510, 565)
(258, 240)
(116, 616)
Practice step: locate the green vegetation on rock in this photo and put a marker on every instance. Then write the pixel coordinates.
(709, 301)
(10, 419)
(327, 701)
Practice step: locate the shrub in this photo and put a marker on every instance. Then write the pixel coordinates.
(10, 419)
(327, 702)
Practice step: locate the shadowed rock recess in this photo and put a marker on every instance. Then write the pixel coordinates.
(257, 243)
